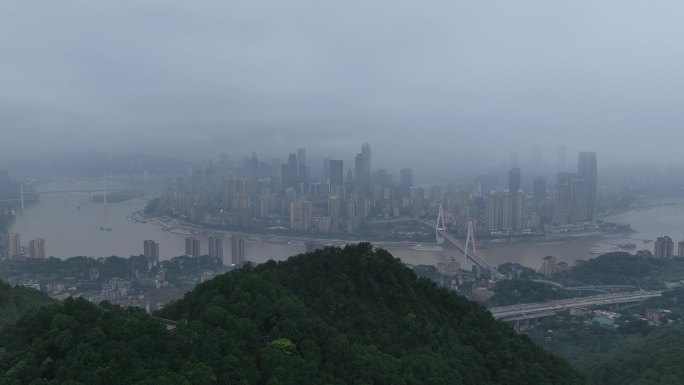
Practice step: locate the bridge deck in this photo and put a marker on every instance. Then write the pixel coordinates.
(537, 309)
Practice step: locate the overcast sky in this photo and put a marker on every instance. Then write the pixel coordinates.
(417, 79)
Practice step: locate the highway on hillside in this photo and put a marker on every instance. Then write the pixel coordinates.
(541, 309)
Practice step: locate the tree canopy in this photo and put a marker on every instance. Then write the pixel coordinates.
(335, 316)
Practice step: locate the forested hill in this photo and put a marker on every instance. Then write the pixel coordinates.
(17, 300)
(335, 316)
(358, 315)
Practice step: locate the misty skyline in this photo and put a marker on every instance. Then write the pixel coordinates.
(426, 84)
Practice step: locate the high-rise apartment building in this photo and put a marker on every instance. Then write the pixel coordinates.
(539, 189)
(514, 180)
(549, 266)
(366, 152)
(151, 250)
(192, 247)
(216, 248)
(571, 199)
(301, 164)
(37, 248)
(237, 245)
(12, 245)
(664, 248)
(336, 173)
(680, 249)
(359, 177)
(586, 168)
(516, 201)
(405, 181)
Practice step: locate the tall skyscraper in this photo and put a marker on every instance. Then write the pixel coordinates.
(336, 173)
(587, 169)
(539, 190)
(151, 250)
(216, 248)
(37, 248)
(571, 199)
(301, 156)
(192, 247)
(12, 245)
(405, 182)
(360, 179)
(514, 216)
(366, 152)
(301, 164)
(514, 180)
(680, 249)
(290, 172)
(237, 244)
(326, 170)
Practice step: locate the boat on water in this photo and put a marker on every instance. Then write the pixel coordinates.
(180, 231)
(420, 247)
(105, 228)
(604, 250)
(627, 246)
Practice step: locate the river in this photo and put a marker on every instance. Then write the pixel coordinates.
(72, 227)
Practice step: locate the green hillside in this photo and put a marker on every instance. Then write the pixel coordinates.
(336, 316)
(17, 300)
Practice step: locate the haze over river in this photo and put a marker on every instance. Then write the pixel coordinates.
(71, 227)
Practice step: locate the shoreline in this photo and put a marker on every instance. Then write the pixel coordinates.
(179, 224)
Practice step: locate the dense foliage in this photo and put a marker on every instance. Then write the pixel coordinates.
(335, 316)
(17, 300)
(652, 360)
(515, 291)
(517, 270)
(620, 268)
(633, 352)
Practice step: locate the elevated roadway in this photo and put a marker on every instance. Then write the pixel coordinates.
(543, 309)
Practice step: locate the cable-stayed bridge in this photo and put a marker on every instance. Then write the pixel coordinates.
(468, 249)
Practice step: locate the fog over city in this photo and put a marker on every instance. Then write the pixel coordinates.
(428, 84)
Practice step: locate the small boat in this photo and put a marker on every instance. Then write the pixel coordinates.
(105, 228)
(604, 250)
(420, 247)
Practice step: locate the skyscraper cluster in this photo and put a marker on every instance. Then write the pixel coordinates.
(291, 195)
(12, 247)
(576, 192)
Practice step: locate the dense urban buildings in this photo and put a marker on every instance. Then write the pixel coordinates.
(293, 196)
(576, 192)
